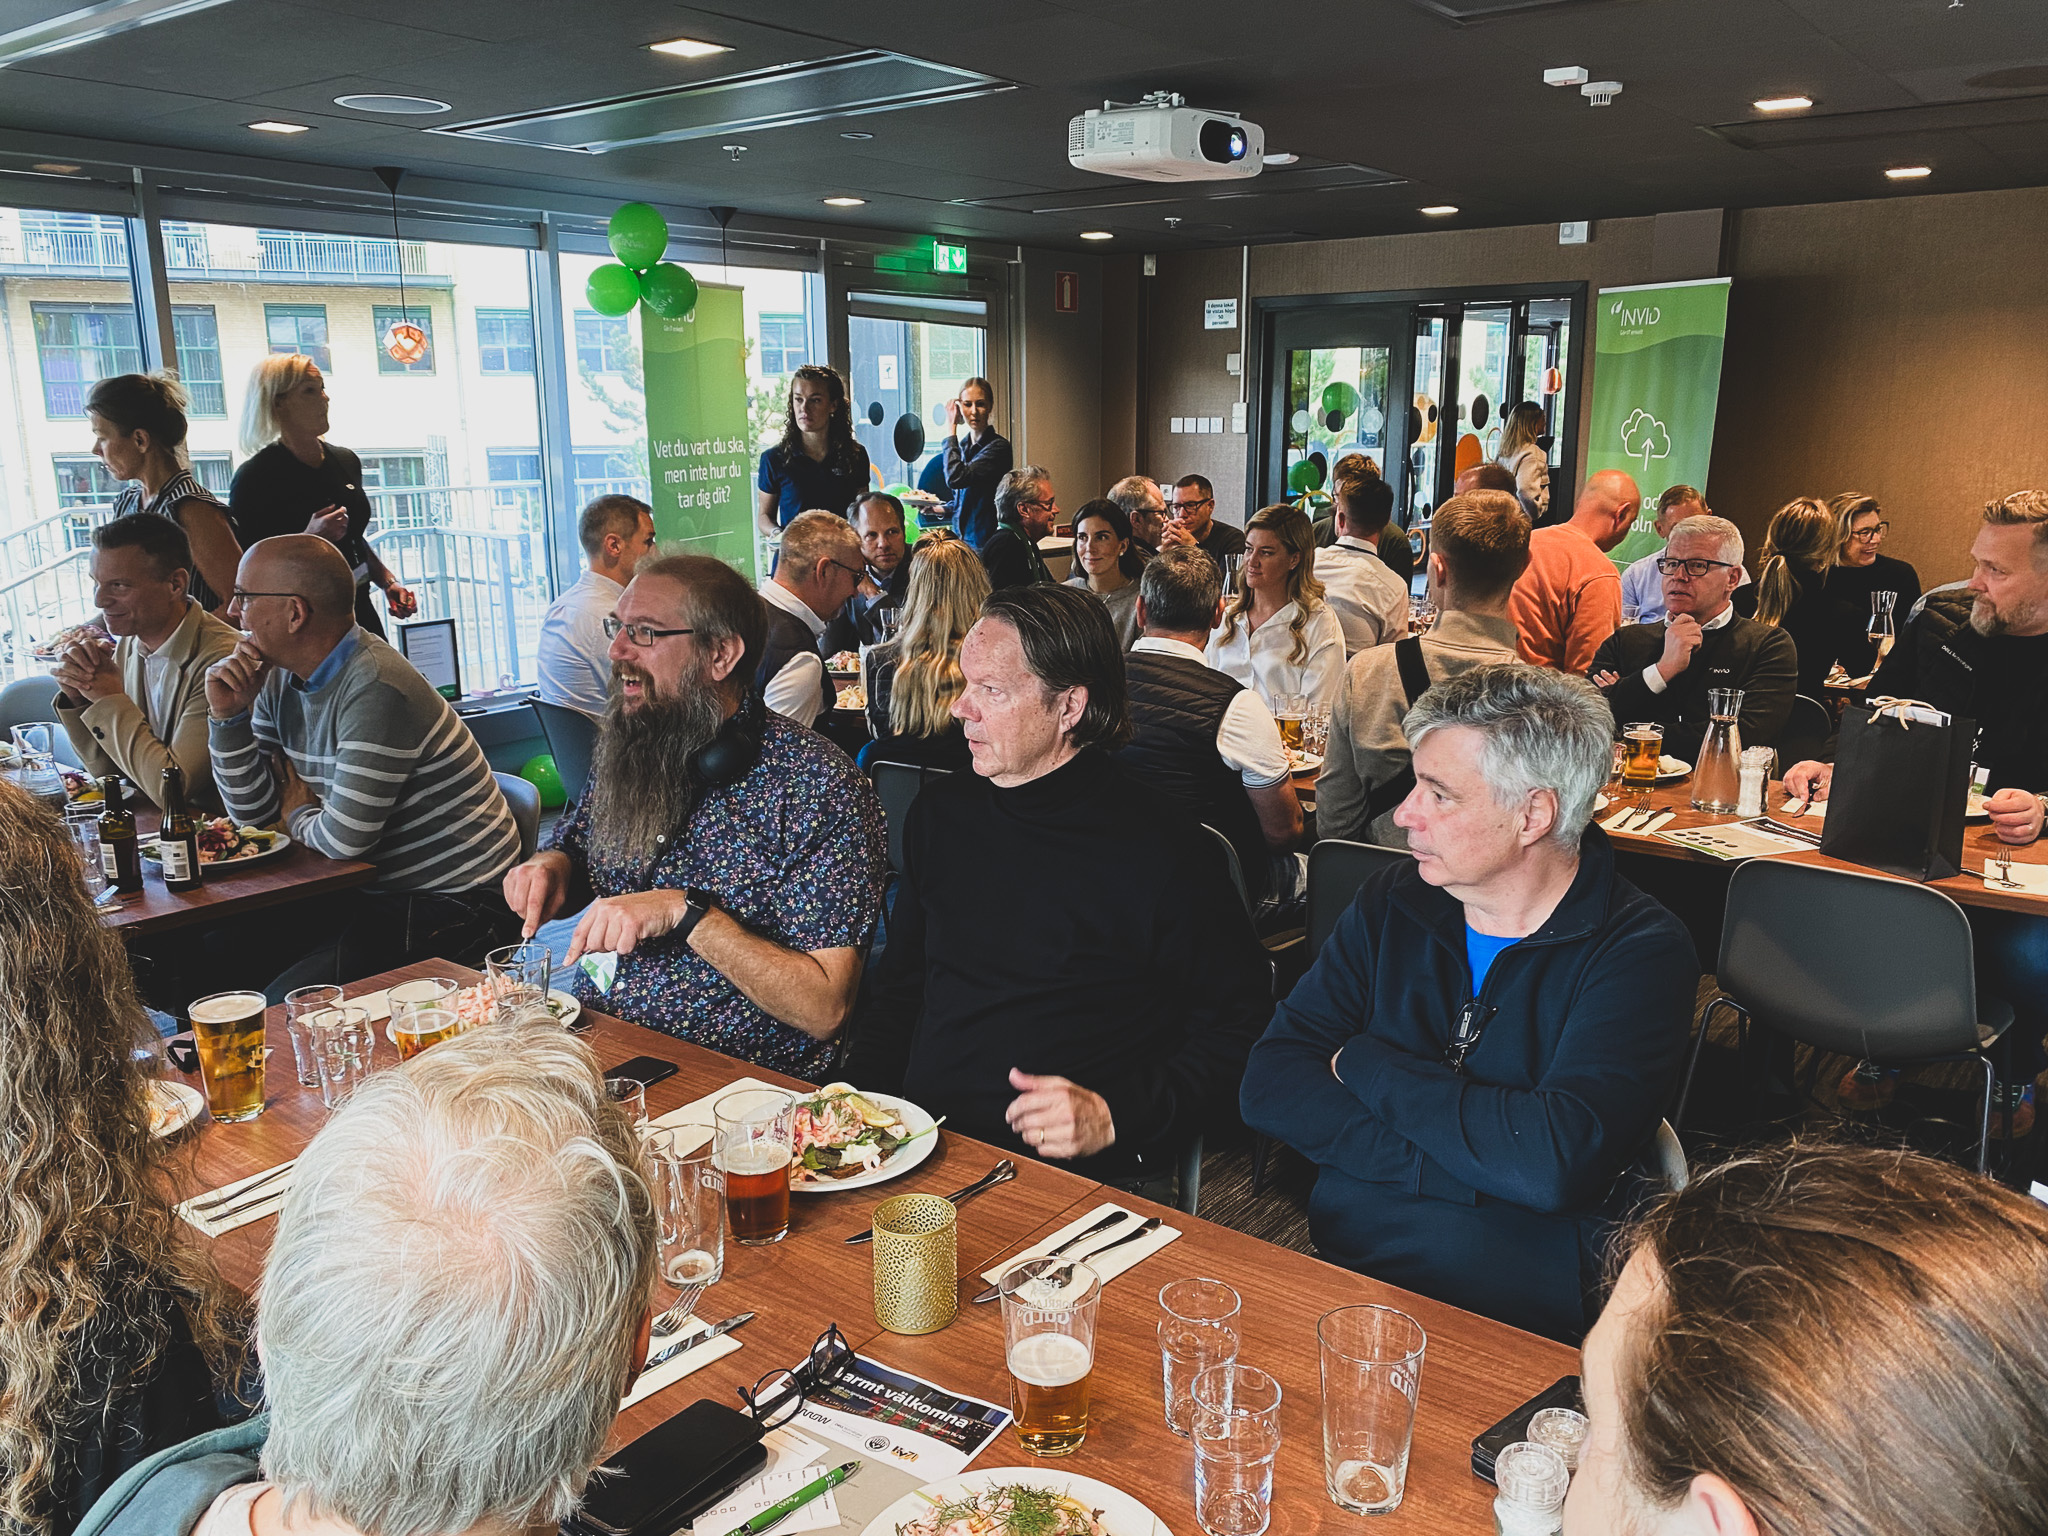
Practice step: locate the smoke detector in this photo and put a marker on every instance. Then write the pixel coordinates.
(1600, 93)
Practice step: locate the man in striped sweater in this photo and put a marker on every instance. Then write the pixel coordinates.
(321, 726)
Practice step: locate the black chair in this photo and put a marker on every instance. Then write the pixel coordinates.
(1864, 966)
(896, 785)
(524, 798)
(1234, 867)
(1806, 733)
(572, 741)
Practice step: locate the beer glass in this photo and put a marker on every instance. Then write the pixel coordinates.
(343, 1048)
(689, 1200)
(227, 1028)
(755, 1149)
(1372, 1371)
(1236, 1429)
(1049, 1308)
(1288, 709)
(1197, 1329)
(421, 1026)
(426, 992)
(519, 972)
(84, 826)
(302, 1009)
(1645, 742)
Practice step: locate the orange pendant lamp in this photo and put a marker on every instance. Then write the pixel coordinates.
(404, 342)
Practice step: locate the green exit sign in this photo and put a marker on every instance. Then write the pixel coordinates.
(948, 258)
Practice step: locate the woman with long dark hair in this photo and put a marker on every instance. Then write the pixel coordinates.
(818, 466)
(1107, 565)
(115, 1332)
(138, 432)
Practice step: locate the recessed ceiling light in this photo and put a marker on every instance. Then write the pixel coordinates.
(856, 135)
(269, 126)
(1909, 172)
(1783, 103)
(845, 202)
(1440, 210)
(1281, 159)
(688, 48)
(397, 106)
(54, 168)
(1097, 234)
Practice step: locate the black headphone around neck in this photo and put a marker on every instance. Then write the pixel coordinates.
(729, 756)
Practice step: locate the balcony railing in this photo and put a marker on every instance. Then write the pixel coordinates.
(102, 250)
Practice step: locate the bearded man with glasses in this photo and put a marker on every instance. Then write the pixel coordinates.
(1662, 671)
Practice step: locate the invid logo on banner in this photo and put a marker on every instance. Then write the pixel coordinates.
(1634, 322)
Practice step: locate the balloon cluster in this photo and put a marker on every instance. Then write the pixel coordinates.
(639, 235)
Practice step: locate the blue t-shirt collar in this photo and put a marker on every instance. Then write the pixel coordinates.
(336, 660)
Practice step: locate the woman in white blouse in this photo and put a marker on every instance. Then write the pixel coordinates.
(1278, 636)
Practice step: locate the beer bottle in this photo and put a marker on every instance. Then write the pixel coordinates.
(119, 855)
(177, 842)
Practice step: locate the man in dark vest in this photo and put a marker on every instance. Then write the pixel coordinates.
(819, 572)
(1202, 738)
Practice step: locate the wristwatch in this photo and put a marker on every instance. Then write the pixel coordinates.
(696, 904)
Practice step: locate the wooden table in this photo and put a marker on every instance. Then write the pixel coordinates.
(1476, 1370)
(1980, 843)
(228, 889)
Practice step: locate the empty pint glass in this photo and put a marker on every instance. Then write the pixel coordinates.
(1372, 1373)
(227, 1028)
(1049, 1308)
(755, 1131)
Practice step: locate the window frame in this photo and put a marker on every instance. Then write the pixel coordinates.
(382, 318)
(322, 351)
(73, 310)
(508, 348)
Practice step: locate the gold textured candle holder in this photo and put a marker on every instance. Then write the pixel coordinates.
(917, 1263)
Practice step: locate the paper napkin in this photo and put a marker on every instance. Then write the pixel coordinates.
(267, 1201)
(2033, 877)
(1111, 1264)
(698, 1113)
(691, 1359)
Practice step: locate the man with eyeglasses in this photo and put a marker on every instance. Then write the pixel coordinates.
(1662, 671)
(1026, 509)
(1192, 520)
(735, 859)
(1642, 584)
(820, 570)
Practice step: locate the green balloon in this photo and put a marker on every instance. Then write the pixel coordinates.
(639, 235)
(540, 773)
(1305, 476)
(669, 290)
(1339, 397)
(612, 290)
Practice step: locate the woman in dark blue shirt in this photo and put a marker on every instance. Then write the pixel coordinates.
(817, 467)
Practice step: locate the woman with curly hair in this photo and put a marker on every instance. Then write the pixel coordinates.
(817, 467)
(913, 680)
(114, 1331)
(1291, 642)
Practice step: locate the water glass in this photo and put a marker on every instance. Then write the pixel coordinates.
(1236, 1426)
(84, 827)
(1631, 614)
(302, 1010)
(35, 756)
(1372, 1373)
(631, 1097)
(343, 1047)
(1315, 730)
(519, 972)
(689, 1203)
(1421, 615)
(1198, 1328)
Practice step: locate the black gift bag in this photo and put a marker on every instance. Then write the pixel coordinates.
(1896, 803)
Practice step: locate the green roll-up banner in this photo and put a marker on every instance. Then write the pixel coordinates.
(700, 462)
(1656, 382)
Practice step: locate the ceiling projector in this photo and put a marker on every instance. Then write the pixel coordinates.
(1163, 139)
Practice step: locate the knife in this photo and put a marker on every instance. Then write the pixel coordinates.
(716, 1330)
(1002, 1173)
(1657, 822)
(1081, 1237)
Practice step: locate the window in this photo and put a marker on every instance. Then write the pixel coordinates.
(215, 471)
(515, 476)
(198, 337)
(955, 350)
(608, 472)
(603, 342)
(383, 317)
(401, 472)
(83, 481)
(782, 343)
(299, 328)
(77, 345)
(504, 342)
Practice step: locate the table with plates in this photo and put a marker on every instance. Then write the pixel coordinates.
(1476, 1370)
(230, 888)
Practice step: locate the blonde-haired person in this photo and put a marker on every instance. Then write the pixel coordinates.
(117, 1339)
(138, 432)
(1860, 569)
(1278, 635)
(294, 481)
(1525, 458)
(912, 681)
(1822, 1341)
(1795, 591)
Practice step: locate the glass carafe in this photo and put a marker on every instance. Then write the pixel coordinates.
(1882, 631)
(1717, 776)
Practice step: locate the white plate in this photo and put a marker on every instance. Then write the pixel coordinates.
(1121, 1514)
(173, 1106)
(1303, 762)
(905, 1158)
(1669, 768)
(1973, 810)
(280, 841)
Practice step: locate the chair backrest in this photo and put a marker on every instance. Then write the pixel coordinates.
(1234, 867)
(524, 798)
(896, 785)
(1806, 732)
(1859, 964)
(1336, 870)
(572, 740)
(34, 698)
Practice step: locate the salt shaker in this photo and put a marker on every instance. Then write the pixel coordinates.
(1563, 1430)
(1754, 770)
(1532, 1479)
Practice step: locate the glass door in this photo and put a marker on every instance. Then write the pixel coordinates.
(903, 369)
(1329, 397)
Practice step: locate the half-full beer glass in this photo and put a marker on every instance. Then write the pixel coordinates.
(1049, 1308)
(228, 1030)
(755, 1140)
(414, 1029)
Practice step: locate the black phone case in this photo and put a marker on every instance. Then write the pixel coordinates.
(671, 1474)
(1487, 1446)
(644, 1070)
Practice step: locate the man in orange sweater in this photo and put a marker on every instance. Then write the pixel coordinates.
(1569, 599)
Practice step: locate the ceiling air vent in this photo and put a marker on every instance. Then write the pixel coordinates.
(844, 86)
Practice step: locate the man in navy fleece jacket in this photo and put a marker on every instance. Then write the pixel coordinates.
(1484, 1046)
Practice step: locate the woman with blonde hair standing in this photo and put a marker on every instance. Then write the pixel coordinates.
(1794, 591)
(913, 680)
(294, 481)
(1278, 636)
(1526, 459)
(116, 1335)
(138, 432)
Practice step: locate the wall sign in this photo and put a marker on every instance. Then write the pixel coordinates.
(1219, 314)
(1066, 293)
(948, 258)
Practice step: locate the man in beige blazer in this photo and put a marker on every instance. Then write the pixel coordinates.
(135, 707)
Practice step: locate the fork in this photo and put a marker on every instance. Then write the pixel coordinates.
(2005, 869)
(674, 1317)
(228, 1197)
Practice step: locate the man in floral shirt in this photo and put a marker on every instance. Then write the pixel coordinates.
(739, 898)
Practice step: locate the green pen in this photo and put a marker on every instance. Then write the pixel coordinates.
(775, 1514)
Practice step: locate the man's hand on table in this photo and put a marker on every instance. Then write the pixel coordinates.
(537, 889)
(1806, 783)
(2015, 815)
(233, 682)
(1058, 1118)
(617, 923)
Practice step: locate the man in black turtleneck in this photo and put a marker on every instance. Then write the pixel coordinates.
(1069, 973)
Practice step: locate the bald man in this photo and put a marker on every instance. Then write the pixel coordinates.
(1569, 599)
(321, 727)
